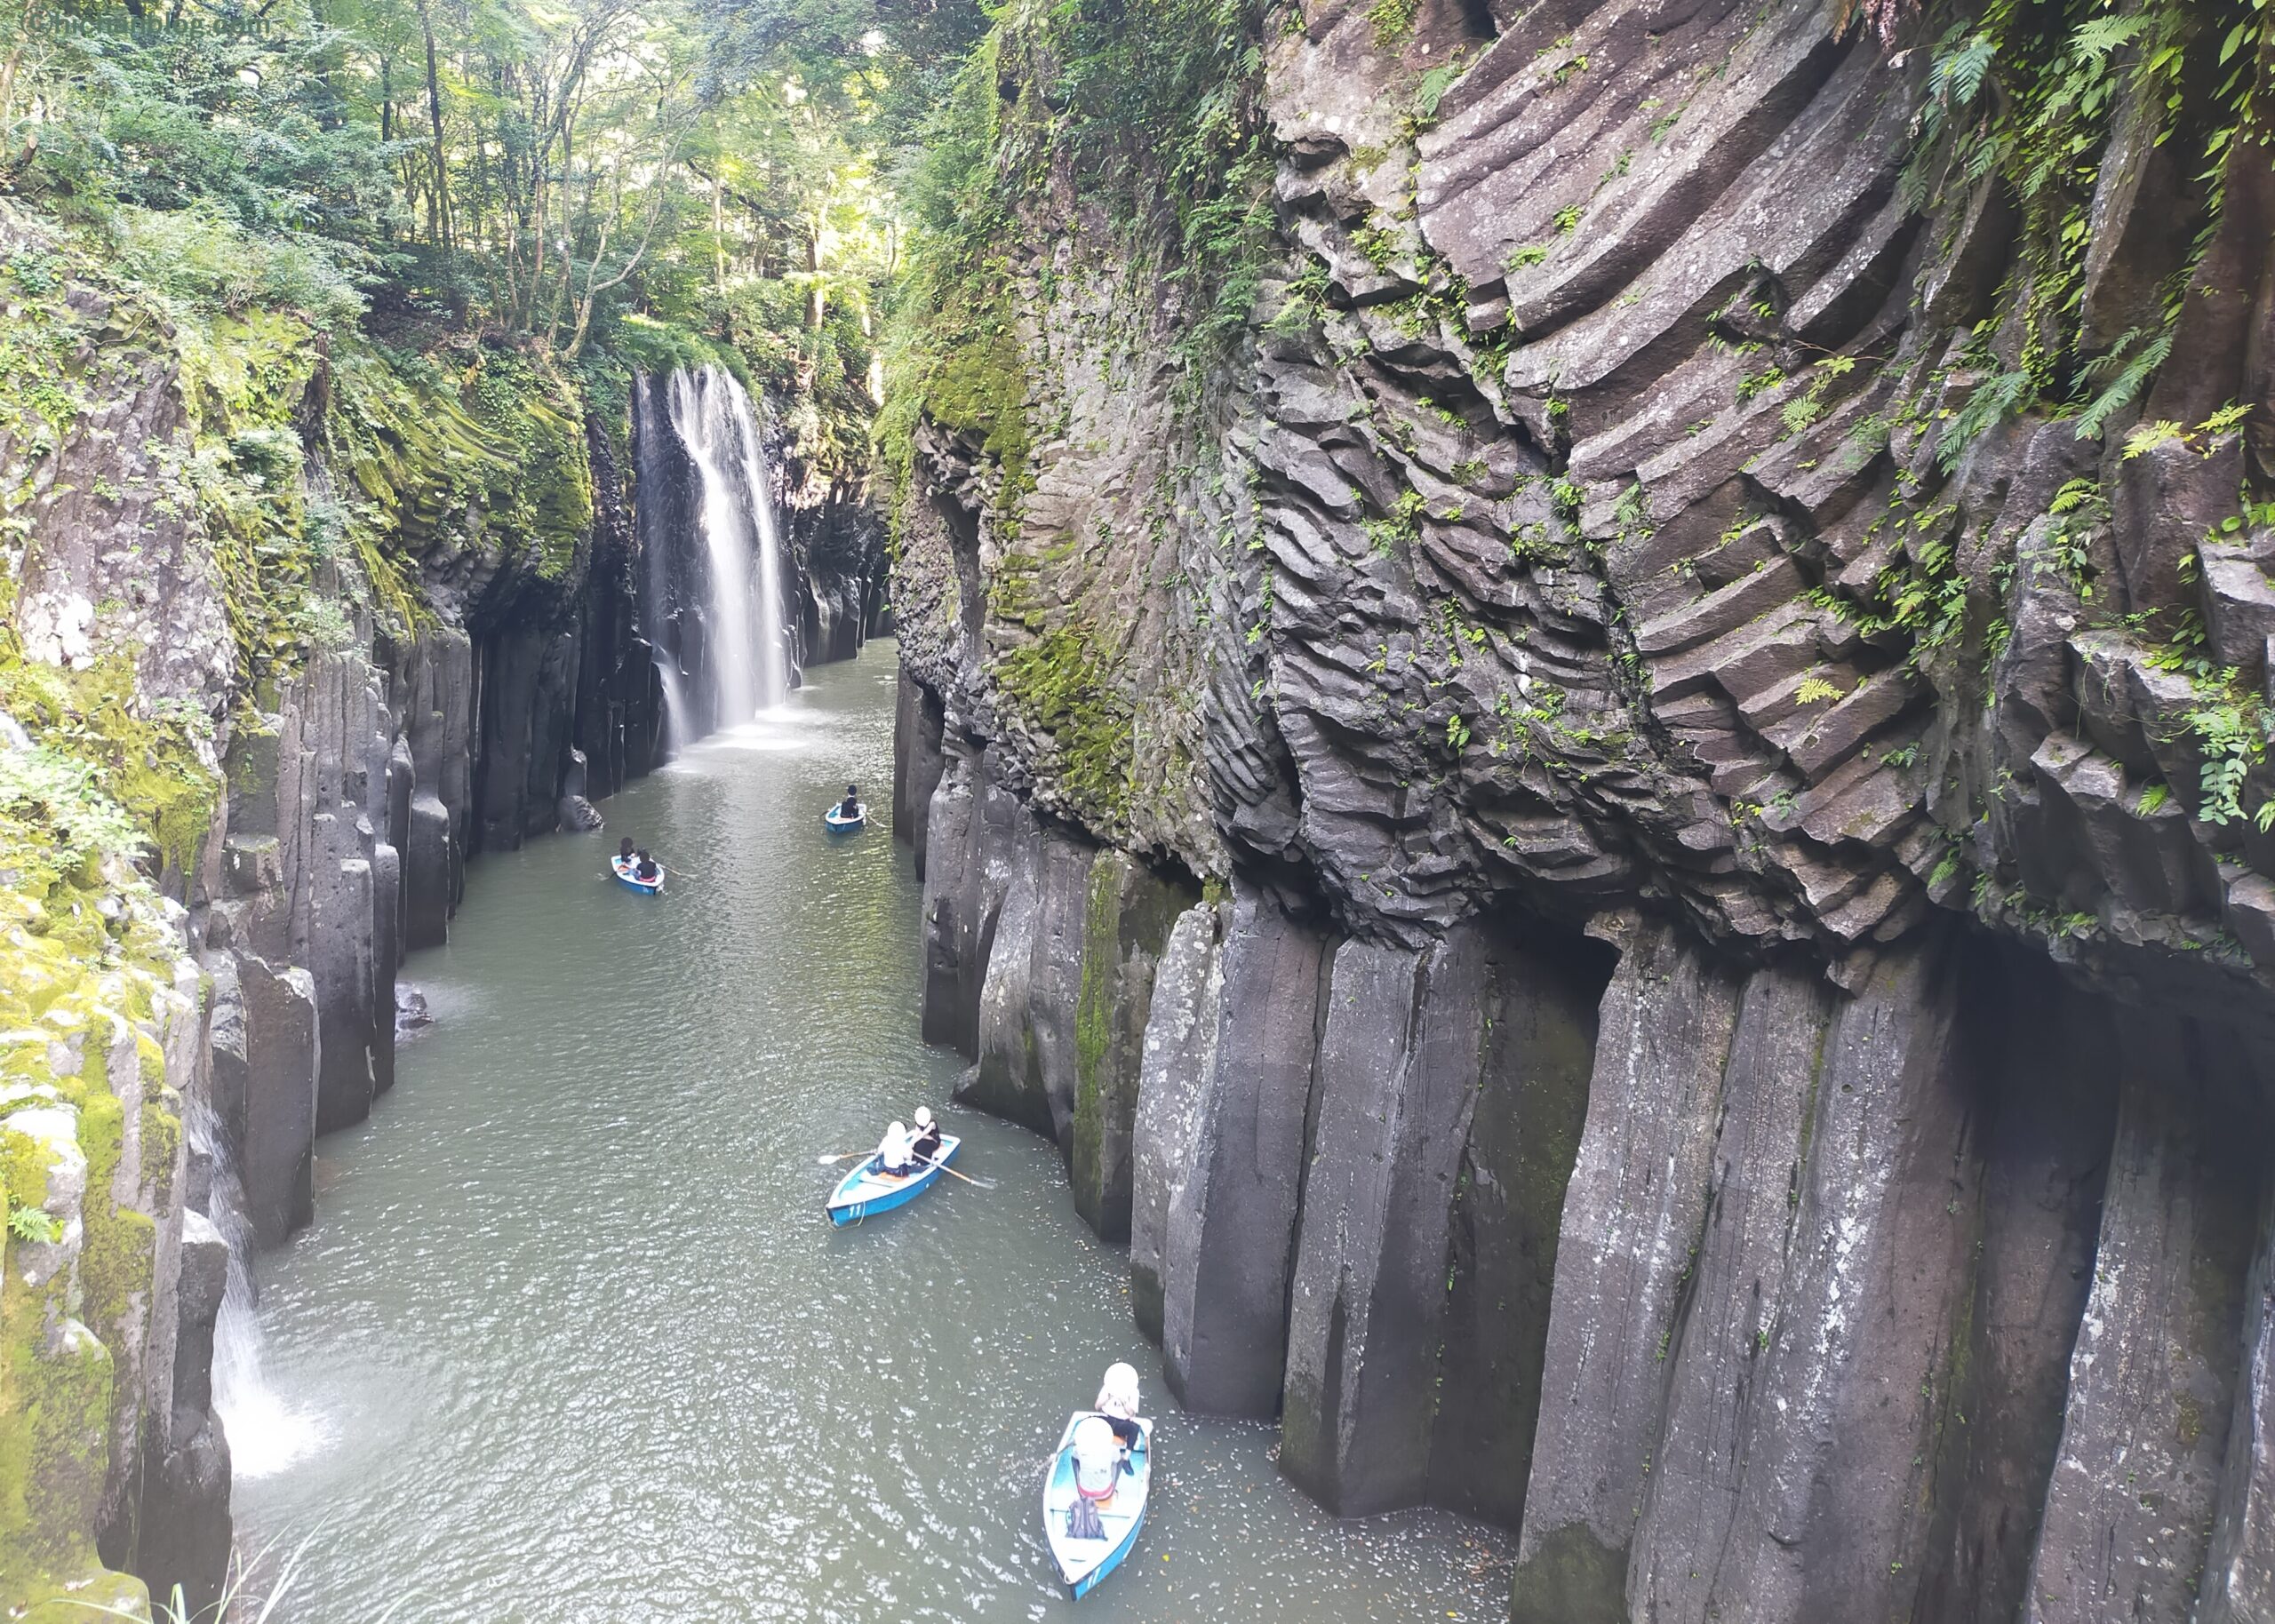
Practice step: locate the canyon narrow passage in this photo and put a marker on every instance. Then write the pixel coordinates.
(573, 1341)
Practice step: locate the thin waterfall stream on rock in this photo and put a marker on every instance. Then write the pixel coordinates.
(265, 1434)
(582, 1346)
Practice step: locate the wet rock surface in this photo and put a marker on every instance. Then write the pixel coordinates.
(354, 790)
(1671, 1070)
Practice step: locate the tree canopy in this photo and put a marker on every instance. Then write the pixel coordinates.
(649, 176)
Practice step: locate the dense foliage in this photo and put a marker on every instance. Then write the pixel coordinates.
(1145, 116)
(666, 181)
(2043, 97)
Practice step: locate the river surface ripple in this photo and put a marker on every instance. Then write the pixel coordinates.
(576, 1346)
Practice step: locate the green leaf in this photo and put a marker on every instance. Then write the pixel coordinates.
(2096, 38)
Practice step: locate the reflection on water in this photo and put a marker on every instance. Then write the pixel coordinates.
(584, 1348)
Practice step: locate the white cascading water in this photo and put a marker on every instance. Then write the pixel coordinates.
(713, 418)
(675, 702)
(265, 1434)
(770, 549)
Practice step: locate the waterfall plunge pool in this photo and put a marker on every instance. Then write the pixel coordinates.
(576, 1345)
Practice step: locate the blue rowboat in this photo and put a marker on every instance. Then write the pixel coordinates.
(646, 888)
(838, 823)
(865, 1190)
(1084, 1562)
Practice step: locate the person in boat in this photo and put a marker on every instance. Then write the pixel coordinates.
(644, 867)
(926, 1146)
(1098, 1463)
(894, 1159)
(1118, 1402)
(849, 808)
(625, 854)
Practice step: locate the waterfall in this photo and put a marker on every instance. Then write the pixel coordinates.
(675, 711)
(265, 1434)
(714, 420)
(770, 544)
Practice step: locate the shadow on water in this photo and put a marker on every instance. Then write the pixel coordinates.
(582, 1346)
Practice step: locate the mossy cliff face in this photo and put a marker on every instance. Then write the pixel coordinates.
(292, 624)
(95, 1001)
(1748, 524)
(208, 792)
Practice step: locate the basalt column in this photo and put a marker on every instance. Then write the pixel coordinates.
(1127, 913)
(1228, 1248)
(1397, 1080)
(1832, 1516)
(1178, 1062)
(1632, 1213)
(1025, 1069)
(2049, 1112)
(960, 898)
(1540, 1041)
(1728, 1290)
(2239, 1575)
(1416, 1045)
(917, 764)
(2137, 1484)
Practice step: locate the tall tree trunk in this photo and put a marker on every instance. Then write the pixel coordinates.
(439, 201)
(814, 301)
(719, 230)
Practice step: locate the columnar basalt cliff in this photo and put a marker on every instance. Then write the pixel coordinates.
(459, 670)
(1639, 811)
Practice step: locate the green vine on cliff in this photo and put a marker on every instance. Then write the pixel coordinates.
(2029, 96)
(1153, 107)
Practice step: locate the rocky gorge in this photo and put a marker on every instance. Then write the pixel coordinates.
(178, 1035)
(1623, 829)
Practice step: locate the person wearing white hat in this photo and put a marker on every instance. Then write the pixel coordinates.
(893, 1158)
(1118, 1402)
(1097, 1470)
(927, 1145)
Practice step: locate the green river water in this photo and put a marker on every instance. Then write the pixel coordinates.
(571, 1342)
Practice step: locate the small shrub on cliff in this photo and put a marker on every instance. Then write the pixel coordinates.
(201, 258)
(35, 1224)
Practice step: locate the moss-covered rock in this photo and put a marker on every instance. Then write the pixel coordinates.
(1059, 684)
(90, 1148)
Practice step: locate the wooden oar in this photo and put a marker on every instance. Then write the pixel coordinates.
(847, 1156)
(952, 1173)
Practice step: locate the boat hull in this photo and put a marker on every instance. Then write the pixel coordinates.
(1083, 1564)
(632, 882)
(836, 824)
(861, 1195)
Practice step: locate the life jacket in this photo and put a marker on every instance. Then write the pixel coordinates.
(1098, 1459)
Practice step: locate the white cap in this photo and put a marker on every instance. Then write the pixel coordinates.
(894, 1131)
(923, 1116)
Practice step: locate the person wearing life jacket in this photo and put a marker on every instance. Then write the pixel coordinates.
(849, 807)
(927, 1144)
(1118, 1403)
(1097, 1468)
(893, 1158)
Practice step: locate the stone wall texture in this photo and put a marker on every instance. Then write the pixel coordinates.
(355, 791)
(1763, 1098)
